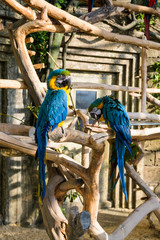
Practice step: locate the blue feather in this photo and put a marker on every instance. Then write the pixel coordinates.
(115, 114)
(52, 111)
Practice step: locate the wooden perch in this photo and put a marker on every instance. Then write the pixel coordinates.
(129, 6)
(1, 25)
(153, 100)
(17, 84)
(78, 223)
(84, 26)
(19, 8)
(29, 40)
(39, 66)
(31, 53)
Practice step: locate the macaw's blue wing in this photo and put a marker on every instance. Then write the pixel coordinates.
(114, 112)
(52, 112)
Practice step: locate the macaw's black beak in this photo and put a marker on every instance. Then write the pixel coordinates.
(95, 116)
(63, 81)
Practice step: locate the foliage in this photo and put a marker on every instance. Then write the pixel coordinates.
(62, 4)
(40, 46)
(141, 25)
(34, 110)
(72, 195)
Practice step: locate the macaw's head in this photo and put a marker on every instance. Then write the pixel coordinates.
(59, 79)
(95, 109)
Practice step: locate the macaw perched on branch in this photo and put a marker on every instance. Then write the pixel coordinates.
(52, 113)
(110, 110)
(90, 5)
(147, 17)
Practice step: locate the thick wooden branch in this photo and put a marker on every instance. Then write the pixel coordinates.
(78, 223)
(77, 137)
(58, 158)
(53, 218)
(27, 12)
(137, 135)
(153, 100)
(20, 84)
(84, 26)
(17, 39)
(134, 218)
(14, 129)
(129, 6)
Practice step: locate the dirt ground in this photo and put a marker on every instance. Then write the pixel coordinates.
(108, 219)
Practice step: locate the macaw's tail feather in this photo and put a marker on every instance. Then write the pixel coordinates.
(120, 148)
(42, 182)
(90, 5)
(42, 138)
(146, 22)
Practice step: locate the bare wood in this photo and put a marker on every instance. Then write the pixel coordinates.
(84, 26)
(54, 220)
(10, 142)
(39, 66)
(134, 218)
(84, 85)
(15, 129)
(137, 8)
(16, 84)
(153, 100)
(78, 223)
(29, 40)
(17, 39)
(137, 135)
(144, 79)
(25, 11)
(1, 25)
(31, 53)
(131, 7)
(20, 84)
(76, 137)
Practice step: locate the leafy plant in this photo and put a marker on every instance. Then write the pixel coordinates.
(72, 196)
(62, 4)
(40, 46)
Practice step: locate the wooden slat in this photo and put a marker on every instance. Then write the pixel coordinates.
(18, 84)
(29, 40)
(39, 66)
(31, 53)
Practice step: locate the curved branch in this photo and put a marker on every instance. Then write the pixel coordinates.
(58, 158)
(77, 137)
(123, 28)
(84, 26)
(131, 7)
(27, 12)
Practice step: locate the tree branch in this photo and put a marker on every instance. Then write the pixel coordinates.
(69, 19)
(27, 12)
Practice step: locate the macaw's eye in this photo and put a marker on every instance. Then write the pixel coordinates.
(62, 81)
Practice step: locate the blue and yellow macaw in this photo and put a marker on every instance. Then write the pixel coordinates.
(90, 5)
(52, 113)
(147, 17)
(110, 110)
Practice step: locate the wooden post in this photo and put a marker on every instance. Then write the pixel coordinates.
(144, 79)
